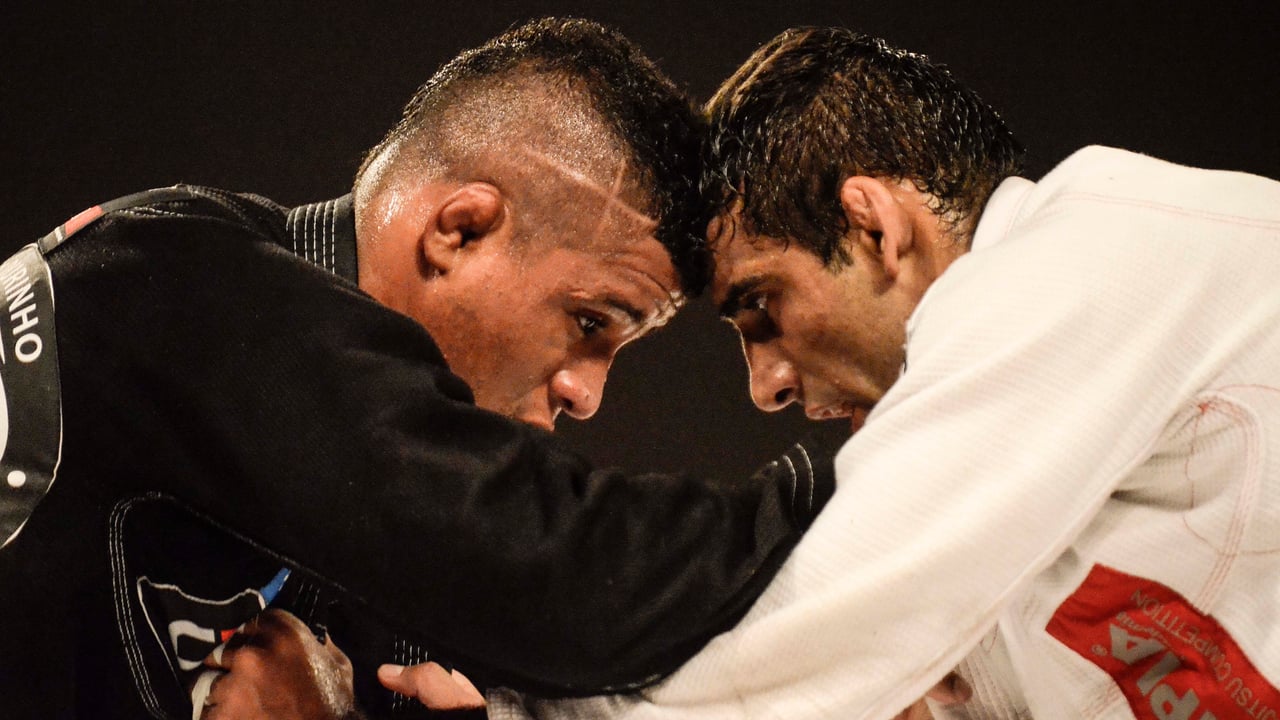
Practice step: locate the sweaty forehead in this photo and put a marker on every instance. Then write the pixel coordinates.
(737, 253)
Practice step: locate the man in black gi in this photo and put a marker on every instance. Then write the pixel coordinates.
(239, 406)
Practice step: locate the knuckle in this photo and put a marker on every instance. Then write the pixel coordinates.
(251, 660)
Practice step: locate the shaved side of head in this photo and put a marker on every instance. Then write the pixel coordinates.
(566, 118)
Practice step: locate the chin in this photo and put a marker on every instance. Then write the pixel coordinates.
(537, 420)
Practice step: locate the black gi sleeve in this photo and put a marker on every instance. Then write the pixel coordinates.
(202, 361)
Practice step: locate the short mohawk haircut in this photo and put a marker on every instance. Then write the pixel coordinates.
(655, 122)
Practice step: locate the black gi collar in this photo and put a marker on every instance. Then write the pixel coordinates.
(325, 234)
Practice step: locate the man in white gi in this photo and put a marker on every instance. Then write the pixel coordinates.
(1068, 481)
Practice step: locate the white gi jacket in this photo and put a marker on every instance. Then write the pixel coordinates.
(1080, 465)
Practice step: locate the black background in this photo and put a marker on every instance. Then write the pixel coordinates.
(283, 99)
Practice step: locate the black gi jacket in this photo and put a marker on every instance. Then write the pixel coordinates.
(240, 424)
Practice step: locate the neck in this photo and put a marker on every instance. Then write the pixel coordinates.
(385, 249)
(943, 240)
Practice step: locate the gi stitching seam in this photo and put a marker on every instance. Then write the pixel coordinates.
(124, 615)
(795, 479)
(311, 233)
(317, 215)
(330, 208)
(291, 226)
(812, 481)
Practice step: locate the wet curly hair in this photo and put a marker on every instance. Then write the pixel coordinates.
(815, 106)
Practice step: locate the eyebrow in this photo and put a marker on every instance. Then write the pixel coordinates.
(634, 314)
(732, 304)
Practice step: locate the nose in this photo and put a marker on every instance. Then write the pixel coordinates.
(578, 388)
(775, 383)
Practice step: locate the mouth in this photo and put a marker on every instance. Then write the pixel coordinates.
(830, 412)
(857, 414)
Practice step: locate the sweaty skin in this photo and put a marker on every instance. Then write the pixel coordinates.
(613, 200)
(530, 272)
(275, 667)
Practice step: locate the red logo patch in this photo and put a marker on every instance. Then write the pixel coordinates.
(1171, 661)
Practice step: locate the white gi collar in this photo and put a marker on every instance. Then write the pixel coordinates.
(1001, 209)
(997, 217)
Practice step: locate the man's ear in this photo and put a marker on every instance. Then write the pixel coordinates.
(465, 216)
(877, 220)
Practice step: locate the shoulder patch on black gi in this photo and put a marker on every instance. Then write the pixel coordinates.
(30, 392)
